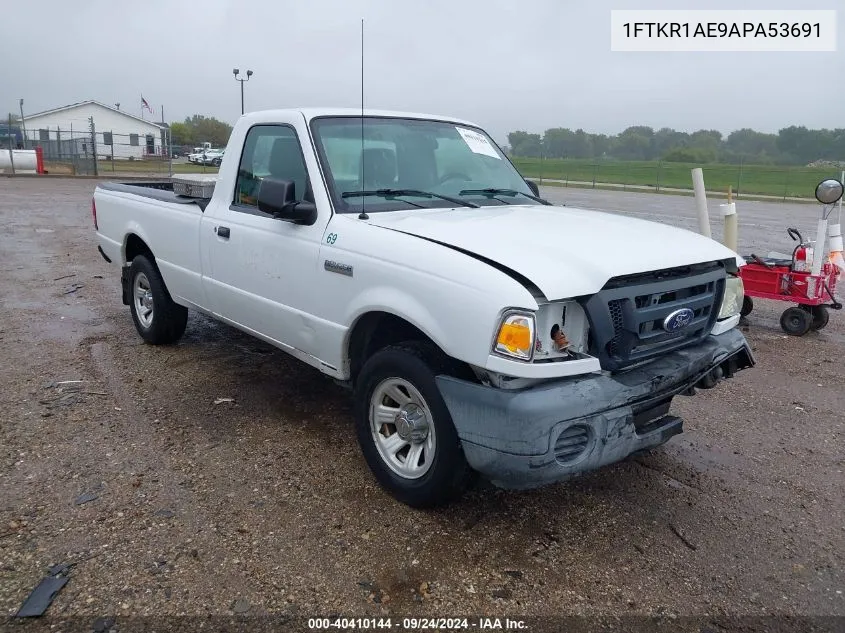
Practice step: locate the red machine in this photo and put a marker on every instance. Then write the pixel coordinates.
(793, 279)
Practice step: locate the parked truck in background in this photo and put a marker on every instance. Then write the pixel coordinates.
(195, 156)
(480, 328)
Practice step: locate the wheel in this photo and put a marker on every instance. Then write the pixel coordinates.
(216, 162)
(747, 306)
(158, 319)
(796, 321)
(404, 428)
(820, 316)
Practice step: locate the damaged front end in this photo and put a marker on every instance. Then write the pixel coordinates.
(524, 438)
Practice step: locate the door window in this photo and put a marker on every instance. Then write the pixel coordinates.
(270, 151)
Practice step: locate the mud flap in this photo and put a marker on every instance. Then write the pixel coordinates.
(124, 284)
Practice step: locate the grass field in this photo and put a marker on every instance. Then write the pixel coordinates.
(786, 182)
(790, 182)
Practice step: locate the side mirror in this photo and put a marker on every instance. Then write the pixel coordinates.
(829, 191)
(278, 198)
(533, 187)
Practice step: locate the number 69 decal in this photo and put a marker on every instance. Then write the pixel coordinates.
(331, 238)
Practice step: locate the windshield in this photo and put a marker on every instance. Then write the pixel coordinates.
(412, 163)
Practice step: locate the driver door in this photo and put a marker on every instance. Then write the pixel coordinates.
(261, 269)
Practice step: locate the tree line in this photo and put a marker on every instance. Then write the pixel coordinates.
(790, 146)
(200, 129)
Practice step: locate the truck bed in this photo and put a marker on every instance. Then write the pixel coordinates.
(155, 190)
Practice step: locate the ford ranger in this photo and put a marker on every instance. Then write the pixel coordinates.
(481, 329)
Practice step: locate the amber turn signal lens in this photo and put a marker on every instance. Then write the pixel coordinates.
(516, 337)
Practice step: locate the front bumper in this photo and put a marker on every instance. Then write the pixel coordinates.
(531, 437)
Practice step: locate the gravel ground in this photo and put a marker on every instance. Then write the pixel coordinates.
(115, 456)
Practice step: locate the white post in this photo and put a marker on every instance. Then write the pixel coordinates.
(729, 237)
(701, 201)
(818, 248)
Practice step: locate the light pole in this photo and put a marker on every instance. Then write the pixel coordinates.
(235, 72)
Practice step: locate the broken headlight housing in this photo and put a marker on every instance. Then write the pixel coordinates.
(732, 301)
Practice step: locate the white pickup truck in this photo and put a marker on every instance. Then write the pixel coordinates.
(481, 329)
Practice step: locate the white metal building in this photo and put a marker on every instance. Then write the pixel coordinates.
(118, 133)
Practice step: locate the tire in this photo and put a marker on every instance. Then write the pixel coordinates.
(158, 319)
(796, 321)
(438, 472)
(747, 306)
(216, 162)
(820, 316)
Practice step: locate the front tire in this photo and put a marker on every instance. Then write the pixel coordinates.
(158, 319)
(404, 427)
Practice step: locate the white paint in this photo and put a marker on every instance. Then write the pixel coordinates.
(477, 142)
(701, 201)
(269, 280)
(106, 119)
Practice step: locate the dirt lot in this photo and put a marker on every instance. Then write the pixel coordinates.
(263, 505)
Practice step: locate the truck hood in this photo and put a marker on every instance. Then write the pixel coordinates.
(566, 252)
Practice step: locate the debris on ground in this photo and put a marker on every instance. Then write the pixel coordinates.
(680, 534)
(103, 625)
(86, 497)
(222, 400)
(240, 605)
(42, 596)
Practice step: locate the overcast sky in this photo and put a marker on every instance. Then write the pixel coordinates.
(503, 64)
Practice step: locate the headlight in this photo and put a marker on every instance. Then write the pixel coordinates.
(732, 301)
(515, 337)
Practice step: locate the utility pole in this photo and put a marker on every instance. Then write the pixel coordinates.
(94, 143)
(11, 146)
(23, 125)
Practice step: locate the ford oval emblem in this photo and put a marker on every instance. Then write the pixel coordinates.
(678, 320)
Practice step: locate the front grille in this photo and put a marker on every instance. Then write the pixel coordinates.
(626, 316)
(572, 443)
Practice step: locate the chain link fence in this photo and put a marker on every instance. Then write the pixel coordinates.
(82, 148)
(749, 180)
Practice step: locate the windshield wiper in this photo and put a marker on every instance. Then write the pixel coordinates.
(394, 193)
(493, 192)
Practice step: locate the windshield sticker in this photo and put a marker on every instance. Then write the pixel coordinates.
(477, 142)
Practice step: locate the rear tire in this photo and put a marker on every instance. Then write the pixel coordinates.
(158, 319)
(404, 427)
(796, 321)
(820, 315)
(747, 306)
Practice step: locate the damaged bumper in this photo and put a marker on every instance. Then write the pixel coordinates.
(531, 437)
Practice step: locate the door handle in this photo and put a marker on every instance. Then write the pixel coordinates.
(222, 231)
